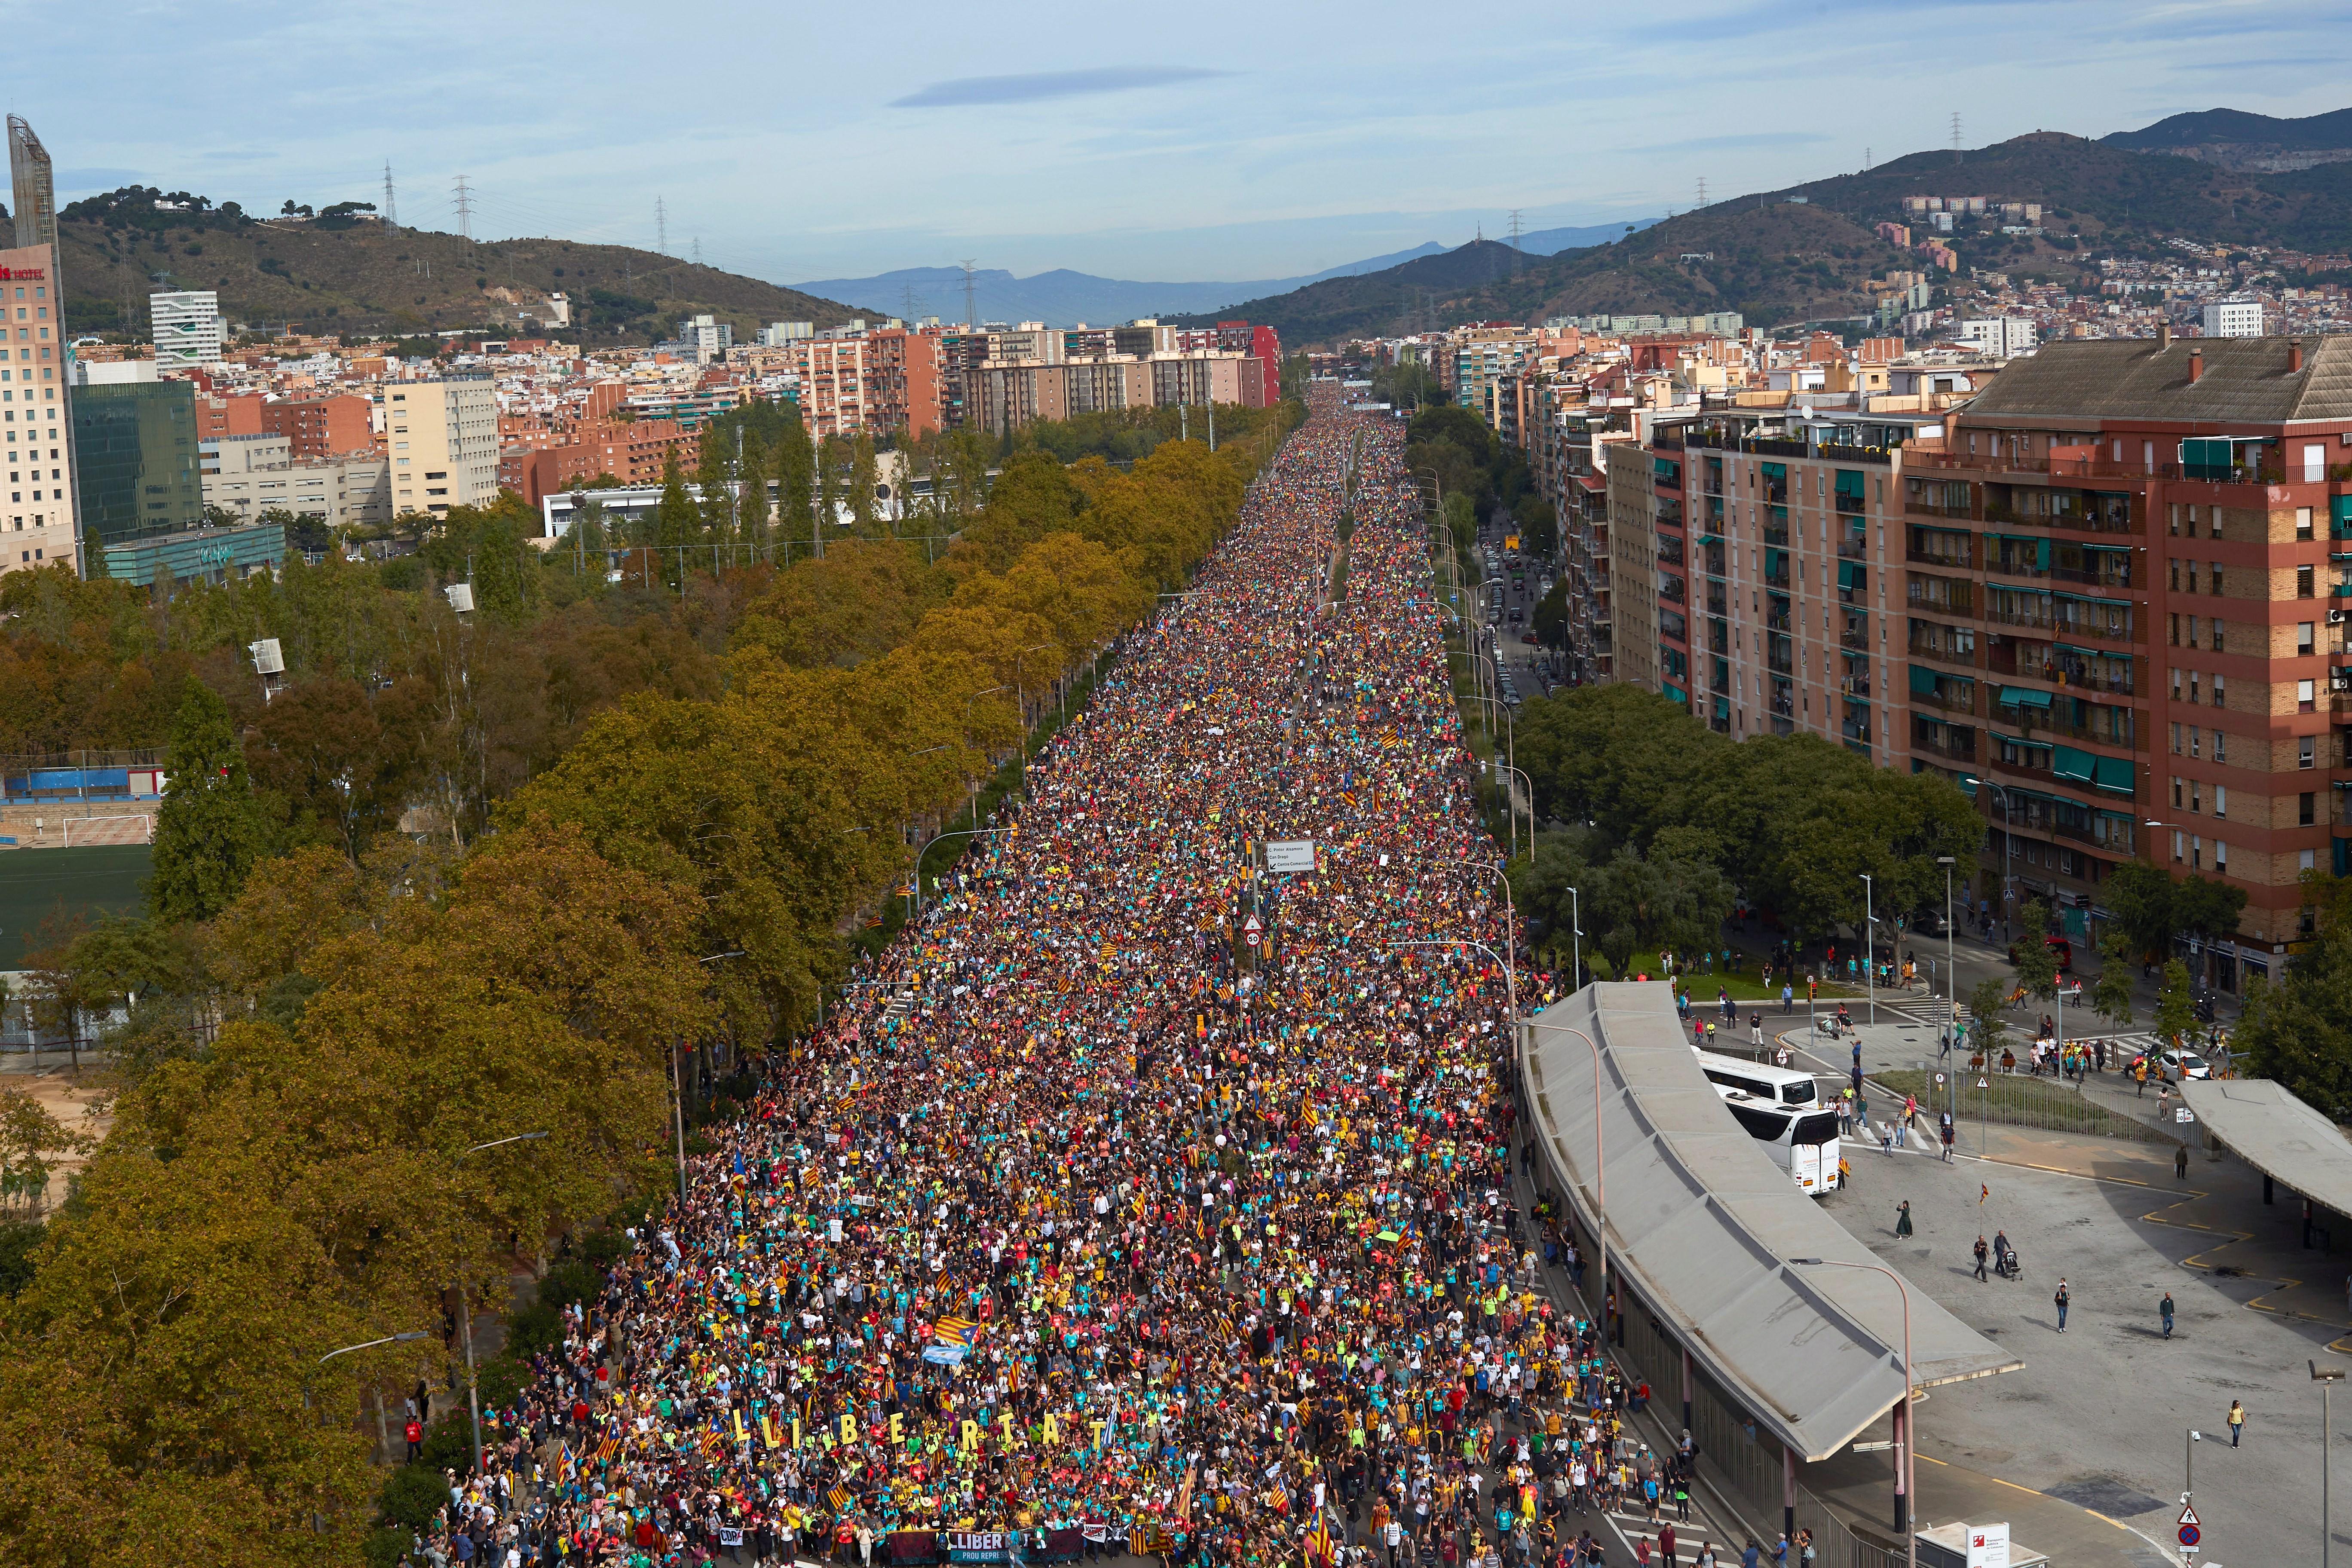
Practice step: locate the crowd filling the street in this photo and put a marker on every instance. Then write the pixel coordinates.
(1151, 1193)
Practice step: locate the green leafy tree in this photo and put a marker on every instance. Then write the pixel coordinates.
(2208, 908)
(1986, 1029)
(2111, 994)
(2176, 1005)
(796, 462)
(2298, 1030)
(2142, 897)
(678, 525)
(208, 831)
(2037, 965)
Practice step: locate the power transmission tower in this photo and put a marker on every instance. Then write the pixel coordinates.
(1955, 134)
(970, 315)
(1865, 158)
(465, 205)
(907, 294)
(391, 212)
(661, 226)
(1702, 190)
(697, 250)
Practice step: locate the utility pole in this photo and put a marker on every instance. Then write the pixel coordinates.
(391, 212)
(661, 226)
(465, 205)
(970, 315)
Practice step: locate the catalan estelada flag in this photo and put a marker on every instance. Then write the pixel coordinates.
(840, 1499)
(953, 1331)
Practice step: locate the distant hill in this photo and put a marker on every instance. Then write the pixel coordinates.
(2238, 140)
(1552, 241)
(1063, 298)
(1804, 253)
(348, 274)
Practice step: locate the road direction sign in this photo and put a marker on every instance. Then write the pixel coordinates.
(1290, 855)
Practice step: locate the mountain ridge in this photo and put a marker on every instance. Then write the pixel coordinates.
(344, 274)
(1803, 252)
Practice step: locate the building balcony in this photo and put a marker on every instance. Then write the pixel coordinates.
(1855, 636)
(1957, 748)
(1941, 654)
(1853, 549)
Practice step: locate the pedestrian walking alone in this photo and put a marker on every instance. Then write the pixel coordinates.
(2237, 1422)
(1982, 1249)
(1947, 1131)
(2164, 1310)
(2060, 1301)
(2180, 1163)
(1903, 1218)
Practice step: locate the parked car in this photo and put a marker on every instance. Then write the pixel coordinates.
(1526, 636)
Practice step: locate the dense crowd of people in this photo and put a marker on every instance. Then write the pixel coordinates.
(1155, 1194)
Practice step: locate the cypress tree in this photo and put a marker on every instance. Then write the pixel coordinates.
(208, 833)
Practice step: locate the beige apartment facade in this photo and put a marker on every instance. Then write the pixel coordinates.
(441, 439)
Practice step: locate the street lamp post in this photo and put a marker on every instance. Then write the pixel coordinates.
(952, 833)
(2008, 839)
(465, 1299)
(1951, 989)
(1576, 925)
(1870, 944)
(2327, 1377)
(1906, 1470)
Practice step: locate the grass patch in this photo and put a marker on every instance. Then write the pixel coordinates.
(2020, 1099)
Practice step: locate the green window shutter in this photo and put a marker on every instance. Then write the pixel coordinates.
(1922, 681)
(2070, 763)
(2113, 773)
(1780, 470)
(1849, 482)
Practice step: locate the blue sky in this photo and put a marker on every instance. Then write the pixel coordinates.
(1213, 140)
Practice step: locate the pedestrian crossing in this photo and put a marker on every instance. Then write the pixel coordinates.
(1923, 1013)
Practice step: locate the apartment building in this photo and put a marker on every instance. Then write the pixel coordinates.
(443, 441)
(319, 429)
(249, 476)
(185, 324)
(2124, 608)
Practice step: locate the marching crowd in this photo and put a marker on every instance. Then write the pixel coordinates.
(1156, 1194)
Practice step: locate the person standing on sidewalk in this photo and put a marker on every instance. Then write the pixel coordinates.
(2180, 1163)
(2237, 1417)
(2060, 1301)
(1947, 1131)
(2164, 1311)
(1787, 998)
(1903, 1219)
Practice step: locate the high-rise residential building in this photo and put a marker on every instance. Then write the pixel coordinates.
(705, 338)
(2123, 603)
(33, 185)
(442, 437)
(42, 523)
(187, 327)
(135, 456)
(2239, 316)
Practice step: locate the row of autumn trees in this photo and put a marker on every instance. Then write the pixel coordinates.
(656, 814)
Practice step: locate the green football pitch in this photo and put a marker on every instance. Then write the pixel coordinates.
(36, 884)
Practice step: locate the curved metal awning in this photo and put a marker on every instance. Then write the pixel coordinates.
(2269, 1128)
(1701, 1223)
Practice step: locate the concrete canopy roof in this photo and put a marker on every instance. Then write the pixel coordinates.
(1702, 1221)
(2278, 1134)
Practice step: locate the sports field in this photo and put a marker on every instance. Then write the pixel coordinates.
(36, 884)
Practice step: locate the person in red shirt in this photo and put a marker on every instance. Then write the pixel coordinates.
(414, 1433)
